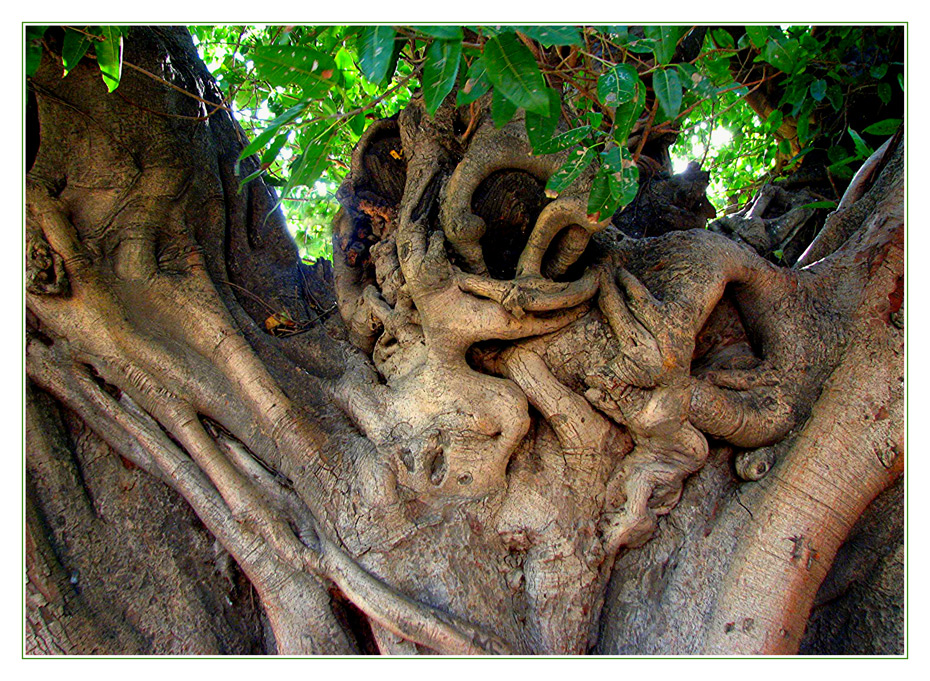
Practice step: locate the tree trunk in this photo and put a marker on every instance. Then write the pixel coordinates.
(517, 435)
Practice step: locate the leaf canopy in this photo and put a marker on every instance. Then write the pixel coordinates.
(305, 94)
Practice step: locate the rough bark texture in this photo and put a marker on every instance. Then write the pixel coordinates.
(518, 435)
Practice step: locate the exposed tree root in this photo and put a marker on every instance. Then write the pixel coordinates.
(262, 524)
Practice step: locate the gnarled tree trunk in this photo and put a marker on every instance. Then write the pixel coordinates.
(516, 435)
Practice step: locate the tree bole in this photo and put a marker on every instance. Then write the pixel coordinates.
(513, 445)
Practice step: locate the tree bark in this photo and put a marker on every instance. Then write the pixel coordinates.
(516, 436)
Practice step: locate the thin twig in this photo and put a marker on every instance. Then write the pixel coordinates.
(196, 119)
(473, 120)
(646, 131)
(251, 295)
(215, 105)
(753, 85)
(306, 326)
(377, 100)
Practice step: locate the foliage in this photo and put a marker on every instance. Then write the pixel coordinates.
(304, 126)
(107, 42)
(821, 74)
(304, 94)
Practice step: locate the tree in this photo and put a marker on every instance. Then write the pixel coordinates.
(550, 416)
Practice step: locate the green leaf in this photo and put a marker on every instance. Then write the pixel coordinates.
(552, 35)
(840, 170)
(701, 85)
(375, 49)
(395, 57)
(667, 86)
(724, 39)
(862, 149)
(491, 31)
(502, 109)
(804, 132)
(292, 65)
(718, 69)
(782, 55)
(540, 129)
(441, 32)
(73, 49)
(563, 141)
(886, 127)
(818, 204)
(615, 184)
(844, 162)
(642, 46)
(810, 43)
(358, 123)
(345, 62)
(884, 92)
(439, 72)
(689, 75)
(796, 94)
(618, 85)
(665, 39)
(265, 136)
(326, 41)
(774, 121)
(835, 95)
(619, 35)
(310, 165)
(274, 148)
(878, 71)
(837, 154)
(248, 178)
(476, 84)
(110, 56)
(34, 35)
(804, 121)
(626, 115)
(819, 89)
(758, 35)
(794, 160)
(513, 71)
(602, 198)
(577, 162)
